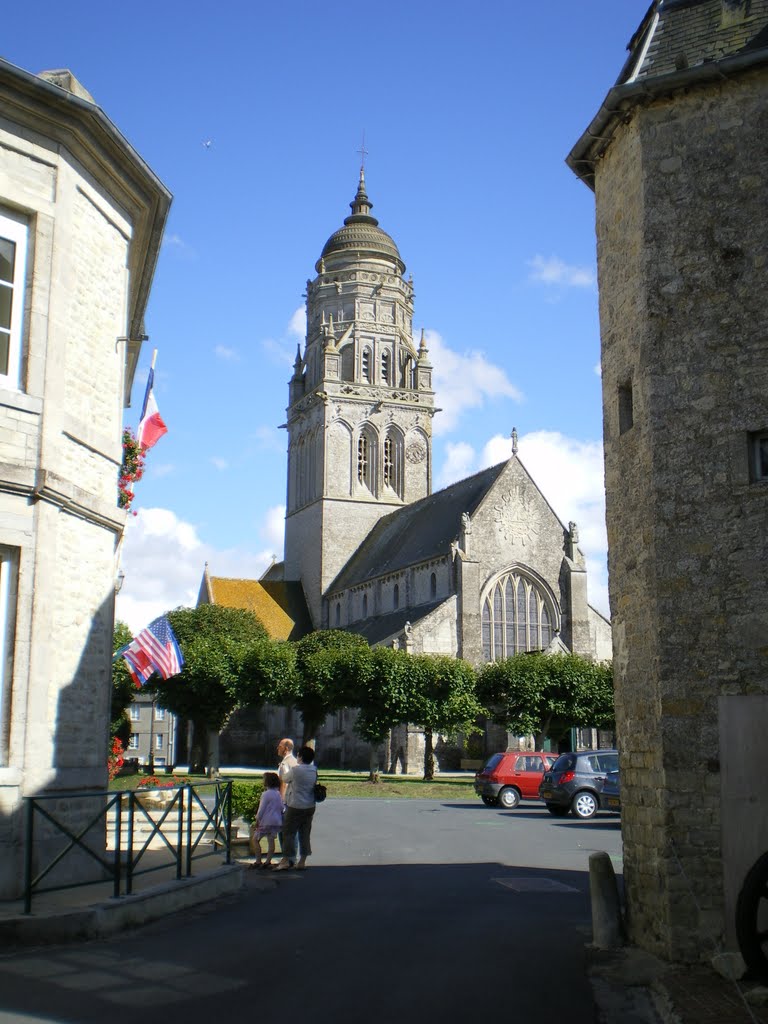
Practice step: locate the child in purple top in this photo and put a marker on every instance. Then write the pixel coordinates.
(269, 820)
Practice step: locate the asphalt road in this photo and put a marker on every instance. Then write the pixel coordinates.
(411, 911)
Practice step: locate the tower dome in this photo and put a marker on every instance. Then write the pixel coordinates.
(361, 235)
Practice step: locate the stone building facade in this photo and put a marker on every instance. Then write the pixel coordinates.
(480, 569)
(81, 218)
(679, 166)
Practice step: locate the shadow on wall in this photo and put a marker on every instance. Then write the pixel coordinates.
(59, 775)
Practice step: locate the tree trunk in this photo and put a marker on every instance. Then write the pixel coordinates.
(373, 763)
(197, 748)
(429, 756)
(213, 753)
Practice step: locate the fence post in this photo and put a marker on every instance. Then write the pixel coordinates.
(228, 819)
(189, 828)
(179, 831)
(118, 845)
(28, 840)
(129, 851)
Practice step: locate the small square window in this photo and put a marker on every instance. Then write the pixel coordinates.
(159, 714)
(135, 712)
(133, 742)
(758, 456)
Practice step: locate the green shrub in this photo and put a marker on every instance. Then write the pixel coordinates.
(245, 800)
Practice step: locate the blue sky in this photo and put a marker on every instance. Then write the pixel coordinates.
(469, 112)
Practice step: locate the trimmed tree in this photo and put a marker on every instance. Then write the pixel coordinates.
(545, 695)
(443, 700)
(328, 671)
(214, 641)
(384, 696)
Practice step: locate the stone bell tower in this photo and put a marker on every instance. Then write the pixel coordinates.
(360, 404)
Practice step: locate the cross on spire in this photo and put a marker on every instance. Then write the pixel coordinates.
(363, 152)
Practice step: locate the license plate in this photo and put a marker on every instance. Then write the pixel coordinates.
(613, 802)
(546, 794)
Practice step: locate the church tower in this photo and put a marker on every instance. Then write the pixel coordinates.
(360, 404)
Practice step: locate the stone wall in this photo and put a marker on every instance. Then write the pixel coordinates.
(681, 194)
(83, 196)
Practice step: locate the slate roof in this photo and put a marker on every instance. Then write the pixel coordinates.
(416, 532)
(379, 627)
(279, 605)
(680, 34)
(679, 44)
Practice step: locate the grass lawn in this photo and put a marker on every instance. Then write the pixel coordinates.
(351, 784)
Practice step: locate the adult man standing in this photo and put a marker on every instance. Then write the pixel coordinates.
(285, 751)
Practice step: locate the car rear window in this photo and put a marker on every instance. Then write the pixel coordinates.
(564, 763)
(598, 762)
(491, 763)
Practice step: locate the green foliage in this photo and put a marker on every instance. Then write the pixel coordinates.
(214, 641)
(268, 673)
(547, 694)
(384, 693)
(330, 665)
(123, 688)
(245, 800)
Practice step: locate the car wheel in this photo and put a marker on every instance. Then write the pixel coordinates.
(489, 801)
(509, 798)
(750, 918)
(584, 805)
(557, 810)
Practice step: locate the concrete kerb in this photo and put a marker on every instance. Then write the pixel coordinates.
(63, 923)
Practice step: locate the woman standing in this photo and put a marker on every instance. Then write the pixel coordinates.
(299, 810)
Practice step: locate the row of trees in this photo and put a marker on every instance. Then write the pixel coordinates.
(230, 663)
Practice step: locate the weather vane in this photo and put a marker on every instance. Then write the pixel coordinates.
(363, 152)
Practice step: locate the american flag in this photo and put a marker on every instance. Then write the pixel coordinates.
(155, 648)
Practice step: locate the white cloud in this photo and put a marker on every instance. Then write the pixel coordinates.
(297, 325)
(163, 559)
(272, 530)
(160, 469)
(569, 473)
(176, 243)
(464, 381)
(270, 439)
(598, 369)
(219, 463)
(229, 355)
(554, 271)
(459, 462)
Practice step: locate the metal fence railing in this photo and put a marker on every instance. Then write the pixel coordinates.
(111, 832)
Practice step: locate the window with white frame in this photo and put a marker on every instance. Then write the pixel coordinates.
(133, 742)
(516, 618)
(135, 712)
(9, 574)
(159, 714)
(159, 741)
(13, 258)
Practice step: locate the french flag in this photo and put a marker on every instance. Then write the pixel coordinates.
(151, 426)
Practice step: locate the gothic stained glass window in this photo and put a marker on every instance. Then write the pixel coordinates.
(516, 617)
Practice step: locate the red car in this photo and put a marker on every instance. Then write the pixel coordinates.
(511, 777)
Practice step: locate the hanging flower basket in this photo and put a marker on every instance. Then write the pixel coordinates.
(131, 470)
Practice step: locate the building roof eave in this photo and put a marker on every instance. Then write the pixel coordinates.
(620, 101)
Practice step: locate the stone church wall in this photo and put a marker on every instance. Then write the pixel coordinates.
(681, 196)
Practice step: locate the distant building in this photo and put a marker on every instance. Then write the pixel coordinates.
(678, 160)
(153, 733)
(81, 218)
(481, 569)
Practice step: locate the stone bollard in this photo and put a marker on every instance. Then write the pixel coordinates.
(607, 931)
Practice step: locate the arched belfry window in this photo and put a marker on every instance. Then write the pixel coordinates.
(396, 597)
(516, 617)
(365, 455)
(392, 461)
(366, 365)
(386, 376)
